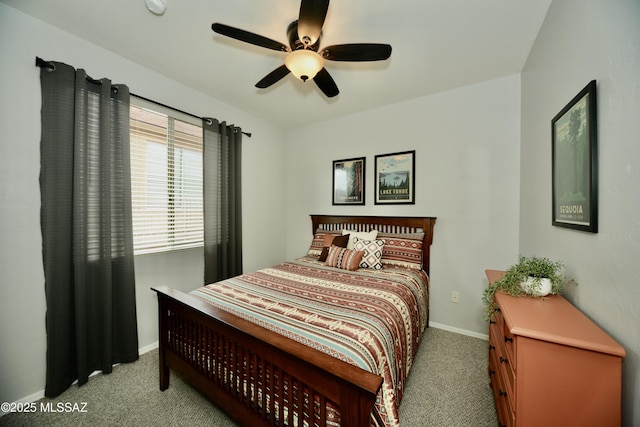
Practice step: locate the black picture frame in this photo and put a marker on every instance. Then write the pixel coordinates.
(349, 181)
(395, 181)
(575, 163)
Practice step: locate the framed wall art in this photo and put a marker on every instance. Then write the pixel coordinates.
(575, 163)
(348, 181)
(395, 178)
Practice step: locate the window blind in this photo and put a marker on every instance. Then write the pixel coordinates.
(166, 179)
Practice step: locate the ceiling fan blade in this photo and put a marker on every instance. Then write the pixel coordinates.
(357, 52)
(273, 77)
(326, 83)
(246, 36)
(311, 19)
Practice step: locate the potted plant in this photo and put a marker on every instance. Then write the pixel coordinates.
(533, 276)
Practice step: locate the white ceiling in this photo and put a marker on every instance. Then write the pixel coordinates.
(437, 45)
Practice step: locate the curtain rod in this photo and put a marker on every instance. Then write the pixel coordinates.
(52, 67)
(44, 64)
(176, 109)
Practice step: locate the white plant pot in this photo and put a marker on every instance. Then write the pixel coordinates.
(535, 289)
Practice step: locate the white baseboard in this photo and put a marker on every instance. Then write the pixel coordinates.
(148, 348)
(27, 399)
(459, 331)
(40, 394)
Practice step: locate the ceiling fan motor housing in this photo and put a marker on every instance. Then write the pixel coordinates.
(294, 40)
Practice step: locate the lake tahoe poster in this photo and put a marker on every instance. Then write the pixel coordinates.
(394, 177)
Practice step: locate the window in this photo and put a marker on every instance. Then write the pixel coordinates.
(166, 179)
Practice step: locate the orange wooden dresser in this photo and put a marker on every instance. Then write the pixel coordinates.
(549, 365)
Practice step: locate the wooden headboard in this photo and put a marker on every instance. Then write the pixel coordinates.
(384, 224)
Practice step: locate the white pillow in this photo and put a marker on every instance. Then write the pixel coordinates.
(364, 235)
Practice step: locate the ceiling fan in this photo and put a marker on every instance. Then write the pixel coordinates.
(303, 59)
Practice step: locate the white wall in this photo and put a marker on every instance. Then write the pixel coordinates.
(22, 299)
(467, 175)
(578, 42)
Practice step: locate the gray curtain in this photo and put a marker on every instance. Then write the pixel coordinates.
(87, 234)
(222, 148)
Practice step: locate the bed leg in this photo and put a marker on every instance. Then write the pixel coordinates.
(163, 332)
(164, 378)
(164, 371)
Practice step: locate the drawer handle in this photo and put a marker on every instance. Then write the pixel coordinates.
(502, 393)
(503, 360)
(491, 347)
(492, 322)
(507, 339)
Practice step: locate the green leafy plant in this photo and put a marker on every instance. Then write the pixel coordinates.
(533, 267)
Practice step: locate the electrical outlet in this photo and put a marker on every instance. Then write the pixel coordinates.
(455, 297)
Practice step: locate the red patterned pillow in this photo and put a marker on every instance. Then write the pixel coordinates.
(402, 249)
(318, 241)
(343, 258)
(330, 239)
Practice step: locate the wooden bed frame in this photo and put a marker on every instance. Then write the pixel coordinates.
(257, 376)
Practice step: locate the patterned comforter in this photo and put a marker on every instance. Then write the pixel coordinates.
(373, 319)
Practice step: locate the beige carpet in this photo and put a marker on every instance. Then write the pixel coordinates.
(447, 387)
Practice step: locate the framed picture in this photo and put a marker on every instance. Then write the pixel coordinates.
(575, 163)
(395, 178)
(348, 181)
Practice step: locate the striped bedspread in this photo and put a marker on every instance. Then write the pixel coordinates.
(373, 319)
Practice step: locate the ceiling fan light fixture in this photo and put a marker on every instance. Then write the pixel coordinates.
(304, 63)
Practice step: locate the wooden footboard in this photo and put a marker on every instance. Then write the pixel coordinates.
(257, 376)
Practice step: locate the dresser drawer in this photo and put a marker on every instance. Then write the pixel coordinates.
(503, 406)
(510, 347)
(505, 336)
(493, 364)
(504, 365)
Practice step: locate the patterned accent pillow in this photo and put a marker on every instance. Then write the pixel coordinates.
(372, 249)
(330, 239)
(403, 250)
(343, 258)
(318, 241)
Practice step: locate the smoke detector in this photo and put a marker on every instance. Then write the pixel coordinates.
(157, 7)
